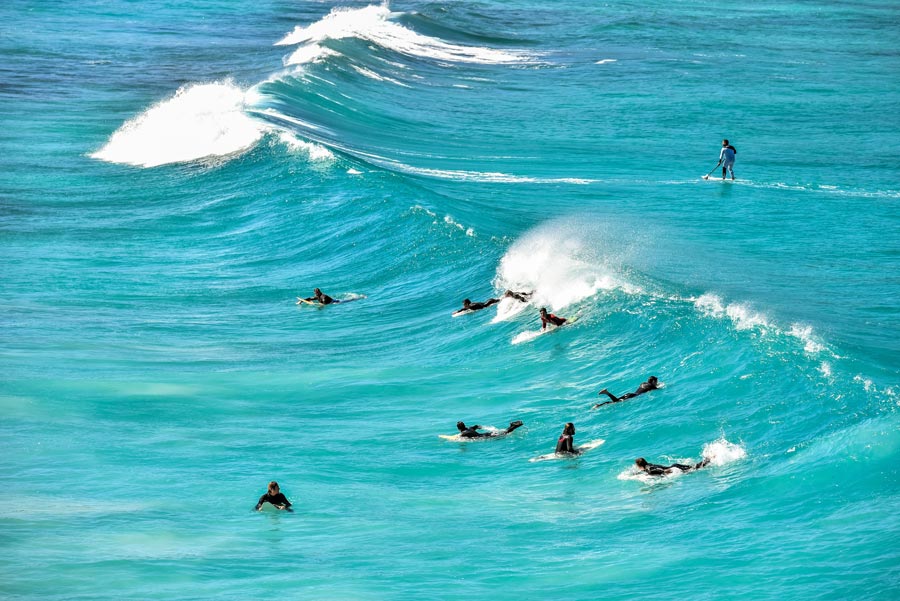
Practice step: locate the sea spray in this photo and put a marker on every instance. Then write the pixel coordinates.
(199, 121)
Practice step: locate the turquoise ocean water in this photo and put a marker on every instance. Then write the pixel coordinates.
(174, 175)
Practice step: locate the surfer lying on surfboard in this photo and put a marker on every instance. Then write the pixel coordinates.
(470, 306)
(522, 297)
(653, 469)
(472, 431)
(550, 318)
(318, 297)
(650, 384)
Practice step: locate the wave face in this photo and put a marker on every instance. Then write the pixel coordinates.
(169, 195)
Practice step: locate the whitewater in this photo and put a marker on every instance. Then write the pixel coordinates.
(175, 178)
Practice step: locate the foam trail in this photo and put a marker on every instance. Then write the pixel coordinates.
(316, 152)
(372, 23)
(199, 121)
(721, 452)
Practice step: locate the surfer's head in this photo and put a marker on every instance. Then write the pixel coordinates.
(724, 142)
(466, 302)
(543, 310)
(569, 429)
(273, 488)
(652, 380)
(641, 463)
(460, 426)
(317, 292)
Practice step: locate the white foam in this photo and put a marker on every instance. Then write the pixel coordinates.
(606, 61)
(373, 23)
(868, 385)
(449, 220)
(199, 121)
(721, 452)
(316, 152)
(373, 75)
(310, 53)
(556, 264)
(740, 315)
(805, 334)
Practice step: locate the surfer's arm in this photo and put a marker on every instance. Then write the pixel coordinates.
(259, 503)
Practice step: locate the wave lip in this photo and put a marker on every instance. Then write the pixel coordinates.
(373, 24)
(199, 121)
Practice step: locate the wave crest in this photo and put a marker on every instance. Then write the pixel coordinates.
(373, 23)
(200, 120)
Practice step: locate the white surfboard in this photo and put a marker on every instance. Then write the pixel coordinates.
(582, 449)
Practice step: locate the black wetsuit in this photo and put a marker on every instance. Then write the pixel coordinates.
(519, 296)
(644, 387)
(276, 500)
(472, 432)
(551, 318)
(663, 470)
(565, 444)
(479, 306)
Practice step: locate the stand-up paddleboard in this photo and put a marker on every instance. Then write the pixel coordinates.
(582, 449)
(718, 179)
(529, 335)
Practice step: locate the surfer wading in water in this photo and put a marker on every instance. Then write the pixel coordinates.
(275, 497)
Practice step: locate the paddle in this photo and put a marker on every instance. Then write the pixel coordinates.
(711, 170)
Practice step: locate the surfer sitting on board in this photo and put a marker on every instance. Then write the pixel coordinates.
(650, 384)
(318, 297)
(275, 497)
(565, 444)
(663, 470)
(470, 306)
(550, 318)
(522, 297)
(472, 431)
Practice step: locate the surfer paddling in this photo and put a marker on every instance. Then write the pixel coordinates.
(651, 384)
(317, 297)
(654, 469)
(522, 297)
(726, 159)
(469, 306)
(566, 442)
(550, 318)
(275, 497)
(472, 431)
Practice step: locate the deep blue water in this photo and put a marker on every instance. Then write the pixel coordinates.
(173, 177)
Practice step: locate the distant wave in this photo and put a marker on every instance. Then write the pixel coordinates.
(199, 121)
(374, 24)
